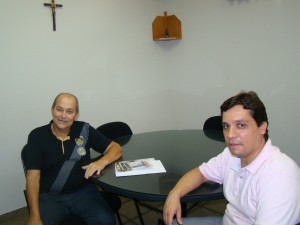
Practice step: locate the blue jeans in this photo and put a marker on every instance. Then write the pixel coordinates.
(87, 203)
(212, 220)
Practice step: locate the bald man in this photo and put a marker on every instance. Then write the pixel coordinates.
(58, 165)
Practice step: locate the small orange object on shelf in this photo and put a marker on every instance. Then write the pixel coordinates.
(166, 28)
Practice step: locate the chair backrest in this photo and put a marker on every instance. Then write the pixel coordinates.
(213, 123)
(114, 130)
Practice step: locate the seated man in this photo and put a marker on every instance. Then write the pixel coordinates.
(261, 184)
(58, 167)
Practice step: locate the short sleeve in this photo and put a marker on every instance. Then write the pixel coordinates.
(215, 168)
(98, 141)
(32, 155)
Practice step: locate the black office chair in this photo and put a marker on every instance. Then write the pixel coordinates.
(113, 201)
(213, 123)
(113, 131)
(213, 128)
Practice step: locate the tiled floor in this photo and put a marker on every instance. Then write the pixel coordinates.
(128, 213)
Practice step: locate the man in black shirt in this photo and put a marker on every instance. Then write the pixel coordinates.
(58, 167)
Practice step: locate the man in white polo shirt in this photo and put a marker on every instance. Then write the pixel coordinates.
(261, 184)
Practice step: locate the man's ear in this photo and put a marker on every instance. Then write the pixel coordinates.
(263, 127)
(77, 115)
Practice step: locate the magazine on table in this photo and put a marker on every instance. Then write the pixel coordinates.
(138, 167)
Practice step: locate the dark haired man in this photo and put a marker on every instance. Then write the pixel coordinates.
(57, 161)
(261, 184)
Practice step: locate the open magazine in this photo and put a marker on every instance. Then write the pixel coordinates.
(138, 167)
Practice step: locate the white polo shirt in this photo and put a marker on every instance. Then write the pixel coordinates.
(265, 192)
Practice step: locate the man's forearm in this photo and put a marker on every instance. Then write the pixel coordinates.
(32, 194)
(112, 153)
(189, 182)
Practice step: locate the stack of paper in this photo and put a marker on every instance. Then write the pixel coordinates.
(138, 167)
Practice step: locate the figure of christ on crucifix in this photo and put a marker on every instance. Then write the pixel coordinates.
(53, 6)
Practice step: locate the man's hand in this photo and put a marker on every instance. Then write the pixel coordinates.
(172, 207)
(34, 221)
(186, 184)
(111, 154)
(93, 168)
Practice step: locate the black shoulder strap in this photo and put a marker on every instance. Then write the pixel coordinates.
(67, 167)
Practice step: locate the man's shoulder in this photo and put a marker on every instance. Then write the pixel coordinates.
(283, 162)
(282, 165)
(79, 124)
(40, 129)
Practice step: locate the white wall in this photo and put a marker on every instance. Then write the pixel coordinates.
(230, 46)
(103, 52)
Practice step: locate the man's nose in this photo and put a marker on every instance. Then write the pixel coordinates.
(231, 132)
(64, 114)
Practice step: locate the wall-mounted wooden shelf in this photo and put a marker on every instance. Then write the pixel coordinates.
(166, 28)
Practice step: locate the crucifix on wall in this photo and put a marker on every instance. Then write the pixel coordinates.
(53, 6)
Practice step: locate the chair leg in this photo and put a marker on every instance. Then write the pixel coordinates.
(136, 203)
(119, 218)
(183, 209)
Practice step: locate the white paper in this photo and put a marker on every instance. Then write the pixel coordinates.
(139, 167)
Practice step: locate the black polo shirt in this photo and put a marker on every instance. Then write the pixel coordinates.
(45, 152)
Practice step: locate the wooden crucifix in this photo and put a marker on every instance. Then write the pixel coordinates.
(53, 6)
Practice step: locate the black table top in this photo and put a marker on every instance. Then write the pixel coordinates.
(179, 152)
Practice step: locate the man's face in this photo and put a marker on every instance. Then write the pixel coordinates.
(64, 112)
(242, 135)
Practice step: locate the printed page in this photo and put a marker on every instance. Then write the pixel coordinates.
(138, 167)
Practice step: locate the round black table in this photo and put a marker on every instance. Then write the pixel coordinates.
(179, 152)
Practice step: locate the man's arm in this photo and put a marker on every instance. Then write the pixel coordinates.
(111, 154)
(32, 194)
(186, 184)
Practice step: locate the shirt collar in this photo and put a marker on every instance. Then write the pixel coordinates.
(236, 166)
(257, 162)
